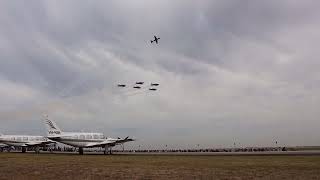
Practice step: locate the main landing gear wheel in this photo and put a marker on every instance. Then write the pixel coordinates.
(80, 150)
(37, 150)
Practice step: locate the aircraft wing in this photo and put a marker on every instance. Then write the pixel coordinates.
(33, 143)
(110, 142)
(57, 136)
(39, 143)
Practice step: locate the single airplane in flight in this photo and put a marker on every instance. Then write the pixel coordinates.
(154, 84)
(137, 87)
(121, 85)
(25, 141)
(140, 82)
(155, 39)
(152, 89)
(82, 139)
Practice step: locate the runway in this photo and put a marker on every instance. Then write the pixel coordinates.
(264, 153)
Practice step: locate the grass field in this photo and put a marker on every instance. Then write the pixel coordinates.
(62, 166)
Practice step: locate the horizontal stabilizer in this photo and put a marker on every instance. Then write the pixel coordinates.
(111, 142)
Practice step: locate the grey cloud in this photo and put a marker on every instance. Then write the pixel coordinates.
(224, 67)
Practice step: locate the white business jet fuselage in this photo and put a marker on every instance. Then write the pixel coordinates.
(25, 141)
(81, 139)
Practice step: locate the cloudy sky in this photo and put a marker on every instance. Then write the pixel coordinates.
(240, 71)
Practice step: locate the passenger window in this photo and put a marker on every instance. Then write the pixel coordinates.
(88, 137)
(96, 136)
(25, 138)
(75, 136)
(82, 137)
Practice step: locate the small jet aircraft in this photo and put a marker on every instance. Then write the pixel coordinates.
(121, 85)
(137, 87)
(152, 89)
(155, 39)
(25, 141)
(82, 139)
(154, 84)
(140, 82)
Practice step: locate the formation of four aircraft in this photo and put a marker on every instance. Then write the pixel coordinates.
(138, 85)
(79, 140)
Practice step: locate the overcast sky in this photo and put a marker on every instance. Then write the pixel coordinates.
(242, 71)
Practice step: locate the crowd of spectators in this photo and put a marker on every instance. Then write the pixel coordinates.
(72, 149)
(254, 149)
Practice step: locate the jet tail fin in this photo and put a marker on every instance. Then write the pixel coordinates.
(52, 127)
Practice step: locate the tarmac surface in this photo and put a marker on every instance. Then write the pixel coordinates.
(263, 153)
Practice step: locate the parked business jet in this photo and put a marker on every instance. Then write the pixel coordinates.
(81, 139)
(25, 141)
